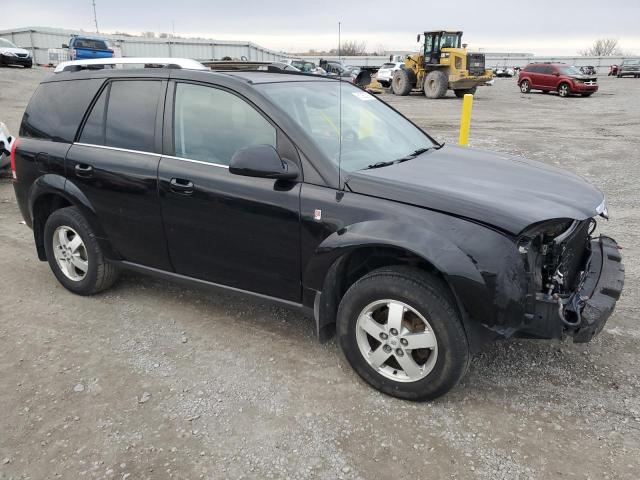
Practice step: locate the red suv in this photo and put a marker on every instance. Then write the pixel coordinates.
(560, 77)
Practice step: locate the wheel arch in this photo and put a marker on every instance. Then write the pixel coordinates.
(351, 253)
(52, 192)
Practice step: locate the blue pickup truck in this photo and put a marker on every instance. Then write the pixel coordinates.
(84, 48)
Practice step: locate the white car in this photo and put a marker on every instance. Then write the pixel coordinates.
(386, 71)
(12, 55)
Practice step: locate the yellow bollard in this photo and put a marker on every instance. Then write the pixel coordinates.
(465, 120)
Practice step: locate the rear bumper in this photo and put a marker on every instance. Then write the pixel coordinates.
(584, 314)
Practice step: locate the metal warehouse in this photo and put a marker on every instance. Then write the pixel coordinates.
(40, 40)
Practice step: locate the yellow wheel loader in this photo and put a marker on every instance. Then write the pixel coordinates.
(444, 64)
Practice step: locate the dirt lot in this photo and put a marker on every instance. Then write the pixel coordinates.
(233, 389)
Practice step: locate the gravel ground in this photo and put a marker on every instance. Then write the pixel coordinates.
(153, 380)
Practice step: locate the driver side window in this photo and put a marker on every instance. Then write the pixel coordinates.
(211, 125)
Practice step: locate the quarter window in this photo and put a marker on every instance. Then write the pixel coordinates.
(211, 125)
(129, 119)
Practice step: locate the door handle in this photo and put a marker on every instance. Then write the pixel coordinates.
(84, 170)
(180, 185)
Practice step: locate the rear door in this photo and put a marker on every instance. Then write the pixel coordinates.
(535, 75)
(114, 163)
(548, 78)
(228, 229)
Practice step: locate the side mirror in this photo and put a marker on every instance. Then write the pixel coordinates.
(262, 161)
(64, 45)
(418, 38)
(557, 74)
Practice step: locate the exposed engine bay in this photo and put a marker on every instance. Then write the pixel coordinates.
(559, 259)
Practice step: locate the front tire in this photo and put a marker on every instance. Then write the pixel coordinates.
(389, 311)
(74, 255)
(563, 90)
(436, 84)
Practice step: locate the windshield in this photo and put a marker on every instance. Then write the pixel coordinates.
(631, 62)
(371, 131)
(6, 43)
(569, 71)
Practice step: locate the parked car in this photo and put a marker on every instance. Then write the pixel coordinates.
(86, 48)
(588, 70)
(503, 72)
(386, 71)
(313, 194)
(559, 77)
(629, 68)
(305, 66)
(12, 55)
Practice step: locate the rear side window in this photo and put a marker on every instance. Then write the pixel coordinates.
(547, 70)
(124, 116)
(56, 109)
(211, 125)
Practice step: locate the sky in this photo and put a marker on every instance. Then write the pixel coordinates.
(544, 28)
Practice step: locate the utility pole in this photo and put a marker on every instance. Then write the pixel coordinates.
(95, 16)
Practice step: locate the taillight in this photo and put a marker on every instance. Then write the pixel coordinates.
(14, 146)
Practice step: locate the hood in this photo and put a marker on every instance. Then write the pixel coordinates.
(502, 190)
(21, 51)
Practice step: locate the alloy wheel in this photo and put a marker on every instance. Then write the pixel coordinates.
(70, 253)
(563, 90)
(396, 340)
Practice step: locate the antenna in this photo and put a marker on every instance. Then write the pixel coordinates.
(339, 111)
(95, 16)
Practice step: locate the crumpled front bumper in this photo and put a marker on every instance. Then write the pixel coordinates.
(601, 288)
(583, 314)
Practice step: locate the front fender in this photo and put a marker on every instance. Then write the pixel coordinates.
(456, 266)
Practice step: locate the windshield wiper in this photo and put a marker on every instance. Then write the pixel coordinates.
(413, 154)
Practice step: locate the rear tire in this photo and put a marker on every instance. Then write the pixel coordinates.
(403, 82)
(424, 313)
(461, 92)
(436, 84)
(74, 255)
(525, 86)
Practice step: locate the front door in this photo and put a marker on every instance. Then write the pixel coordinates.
(233, 230)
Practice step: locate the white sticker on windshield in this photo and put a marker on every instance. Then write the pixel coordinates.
(364, 96)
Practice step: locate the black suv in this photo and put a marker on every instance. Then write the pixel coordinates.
(312, 193)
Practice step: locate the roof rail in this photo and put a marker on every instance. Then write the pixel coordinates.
(148, 62)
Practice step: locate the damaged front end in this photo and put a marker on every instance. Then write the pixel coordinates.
(575, 279)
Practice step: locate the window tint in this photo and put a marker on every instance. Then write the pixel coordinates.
(211, 124)
(56, 109)
(88, 43)
(547, 70)
(130, 117)
(93, 131)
